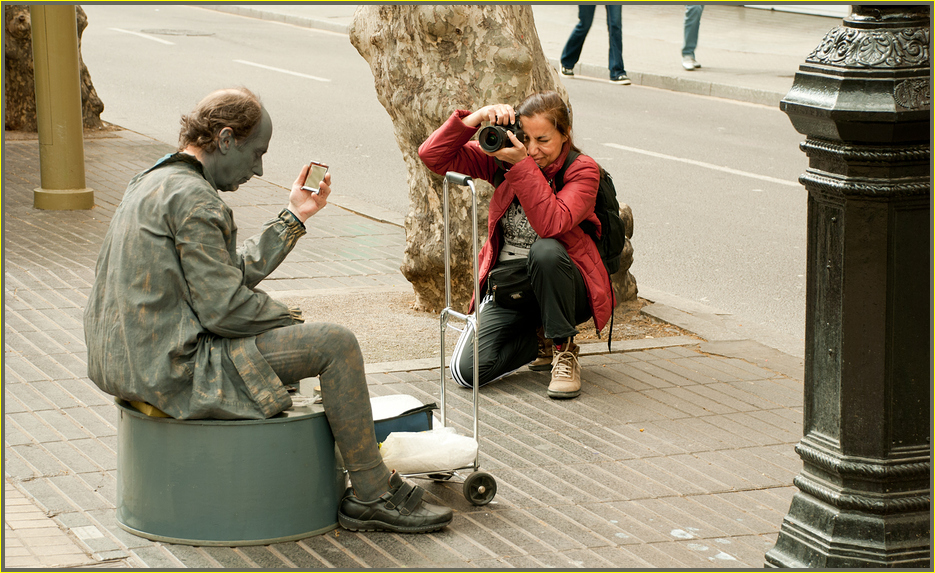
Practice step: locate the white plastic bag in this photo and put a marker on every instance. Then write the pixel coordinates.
(421, 452)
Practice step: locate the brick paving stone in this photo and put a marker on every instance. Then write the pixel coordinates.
(306, 555)
(643, 404)
(158, 557)
(23, 370)
(762, 504)
(655, 369)
(644, 441)
(33, 425)
(438, 554)
(657, 554)
(91, 422)
(687, 525)
(632, 371)
(703, 366)
(719, 429)
(688, 437)
(71, 457)
(106, 520)
(603, 443)
(617, 380)
(228, 558)
(48, 499)
(79, 493)
(40, 396)
(731, 370)
(685, 402)
(716, 393)
(753, 425)
(718, 504)
(63, 425)
(193, 557)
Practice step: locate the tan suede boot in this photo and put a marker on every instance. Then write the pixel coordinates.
(543, 361)
(566, 373)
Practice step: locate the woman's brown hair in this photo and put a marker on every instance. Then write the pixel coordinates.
(551, 106)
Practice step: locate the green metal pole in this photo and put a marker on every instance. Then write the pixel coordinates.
(58, 109)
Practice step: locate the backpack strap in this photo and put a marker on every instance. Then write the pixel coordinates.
(560, 176)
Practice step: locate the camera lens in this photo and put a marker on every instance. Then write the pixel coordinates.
(491, 138)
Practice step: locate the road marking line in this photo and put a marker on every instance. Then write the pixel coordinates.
(283, 71)
(147, 36)
(706, 165)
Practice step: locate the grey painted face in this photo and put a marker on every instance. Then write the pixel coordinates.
(234, 163)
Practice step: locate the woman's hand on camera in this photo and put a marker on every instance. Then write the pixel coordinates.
(304, 204)
(511, 155)
(496, 114)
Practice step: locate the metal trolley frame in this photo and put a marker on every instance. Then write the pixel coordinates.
(479, 487)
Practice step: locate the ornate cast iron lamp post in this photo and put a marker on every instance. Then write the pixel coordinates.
(863, 99)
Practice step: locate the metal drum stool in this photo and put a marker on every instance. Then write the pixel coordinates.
(227, 482)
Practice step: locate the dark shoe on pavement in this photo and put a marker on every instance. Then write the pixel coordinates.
(622, 79)
(400, 510)
(567, 71)
(543, 361)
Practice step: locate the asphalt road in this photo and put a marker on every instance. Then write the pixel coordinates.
(719, 215)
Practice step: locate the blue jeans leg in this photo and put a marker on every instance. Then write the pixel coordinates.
(575, 42)
(615, 39)
(692, 23)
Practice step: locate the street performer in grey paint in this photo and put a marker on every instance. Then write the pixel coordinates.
(174, 319)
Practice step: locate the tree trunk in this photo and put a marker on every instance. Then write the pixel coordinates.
(428, 61)
(19, 83)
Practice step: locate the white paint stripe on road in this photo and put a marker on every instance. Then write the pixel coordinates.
(705, 165)
(147, 36)
(280, 70)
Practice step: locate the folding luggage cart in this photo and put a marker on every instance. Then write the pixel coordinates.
(479, 487)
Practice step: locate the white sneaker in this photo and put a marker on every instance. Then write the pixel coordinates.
(566, 373)
(689, 63)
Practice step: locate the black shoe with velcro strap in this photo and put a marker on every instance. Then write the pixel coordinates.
(400, 510)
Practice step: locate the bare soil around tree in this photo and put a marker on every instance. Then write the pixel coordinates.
(389, 330)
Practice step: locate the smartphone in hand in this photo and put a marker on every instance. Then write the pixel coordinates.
(316, 172)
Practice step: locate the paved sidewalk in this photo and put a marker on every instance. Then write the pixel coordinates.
(673, 456)
(747, 54)
(678, 454)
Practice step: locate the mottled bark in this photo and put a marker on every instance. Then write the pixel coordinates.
(428, 61)
(624, 282)
(19, 84)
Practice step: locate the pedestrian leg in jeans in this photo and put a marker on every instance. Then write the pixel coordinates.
(572, 50)
(692, 23)
(615, 41)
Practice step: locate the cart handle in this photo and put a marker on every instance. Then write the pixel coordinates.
(457, 178)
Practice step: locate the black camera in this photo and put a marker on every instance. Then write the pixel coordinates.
(494, 137)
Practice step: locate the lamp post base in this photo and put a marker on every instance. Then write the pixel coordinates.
(62, 199)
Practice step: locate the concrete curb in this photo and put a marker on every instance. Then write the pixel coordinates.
(680, 84)
(303, 21)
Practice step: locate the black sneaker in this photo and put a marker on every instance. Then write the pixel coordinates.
(400, 510)
(622, 79)
(568, 71)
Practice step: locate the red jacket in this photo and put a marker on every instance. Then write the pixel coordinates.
(552, 215)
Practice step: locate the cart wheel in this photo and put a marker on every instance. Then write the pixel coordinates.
(480, 488)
